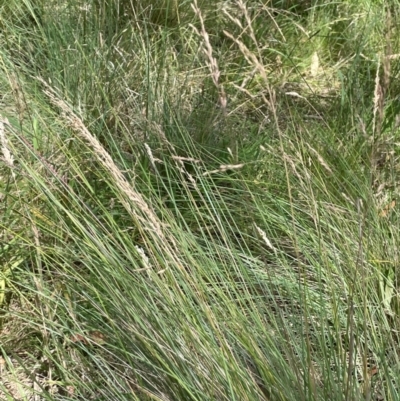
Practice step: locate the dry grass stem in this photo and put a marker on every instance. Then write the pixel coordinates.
(187, 159)
(320, 159)
(7, 156)
(249, 24)
(265, 238)
(378, 103)
(224, 167)
(152, 159)
(19, 97)
(249, 56)
(148, 217)
(212, 61)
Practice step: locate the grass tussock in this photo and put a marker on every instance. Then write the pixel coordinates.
(199, 202)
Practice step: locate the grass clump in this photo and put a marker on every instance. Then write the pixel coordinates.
(198, 203)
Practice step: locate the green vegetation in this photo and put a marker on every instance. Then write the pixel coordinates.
(198, 200)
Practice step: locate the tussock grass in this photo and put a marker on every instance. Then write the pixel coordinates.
(199, 203)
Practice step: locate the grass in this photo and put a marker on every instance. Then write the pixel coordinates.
(199, 203)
